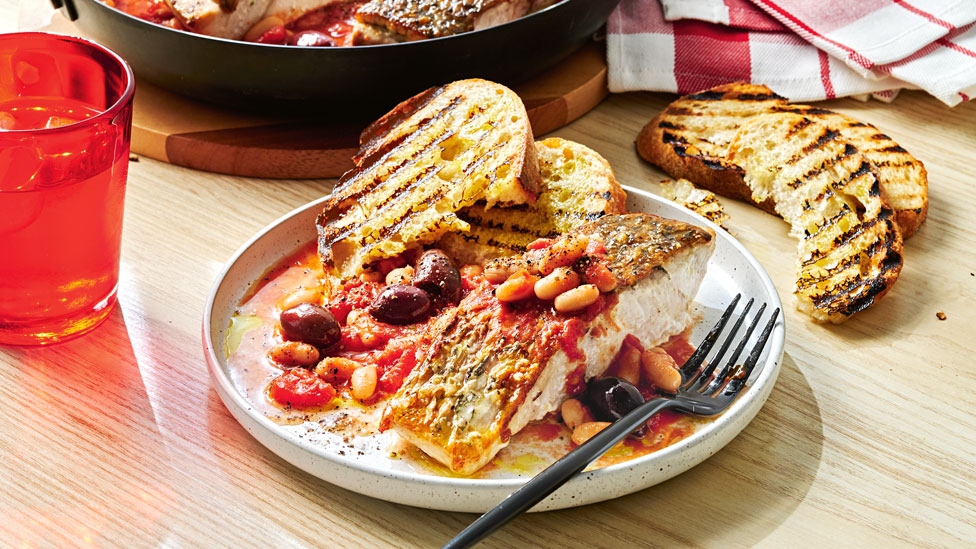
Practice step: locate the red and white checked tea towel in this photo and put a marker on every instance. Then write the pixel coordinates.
(802, 49)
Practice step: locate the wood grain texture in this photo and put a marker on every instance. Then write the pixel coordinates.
(868, 439)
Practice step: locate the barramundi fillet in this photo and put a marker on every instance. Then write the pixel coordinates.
(489, 368)
(391, 21)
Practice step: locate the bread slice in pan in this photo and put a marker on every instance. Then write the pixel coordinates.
(689, 139)
(577, 186)
(849, 252)
(431, 156)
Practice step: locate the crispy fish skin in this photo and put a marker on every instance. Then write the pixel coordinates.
(407, 20)
(492, 367)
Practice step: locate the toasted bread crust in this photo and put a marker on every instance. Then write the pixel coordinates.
(578, 186)
(698, 200)
(685, 153)
(849, 247)
(431, 156)
(689, 139)
(904, 180)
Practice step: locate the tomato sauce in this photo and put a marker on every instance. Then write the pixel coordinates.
(154, 11)
(334, 21)
(298, 394)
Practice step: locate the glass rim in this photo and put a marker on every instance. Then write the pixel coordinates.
(129, 81)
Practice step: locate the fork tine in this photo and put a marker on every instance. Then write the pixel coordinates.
(727, 370)
(691, 366)
(738, 381)
(706, 373)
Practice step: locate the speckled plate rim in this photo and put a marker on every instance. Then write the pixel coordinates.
(478, 495)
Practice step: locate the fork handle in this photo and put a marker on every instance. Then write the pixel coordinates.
(554, 476)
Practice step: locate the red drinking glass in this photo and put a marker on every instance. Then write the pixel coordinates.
(65, 126)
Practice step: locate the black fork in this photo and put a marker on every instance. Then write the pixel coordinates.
(702, 392)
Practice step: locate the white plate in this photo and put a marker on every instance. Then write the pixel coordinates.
(731, 270)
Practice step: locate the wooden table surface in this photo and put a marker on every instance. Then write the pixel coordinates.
(869, 437)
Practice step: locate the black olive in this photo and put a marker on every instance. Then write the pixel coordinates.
(437, 275)
(310, 324)
(611, 398)
(400, 304)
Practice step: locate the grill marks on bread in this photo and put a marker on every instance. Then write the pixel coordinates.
(434, 154)
(690, 138)
(904, 181)
(849, 250)
(697, 200)
(577, 186)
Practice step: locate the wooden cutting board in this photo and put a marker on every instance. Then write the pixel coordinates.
(185, 132)
(175, 129)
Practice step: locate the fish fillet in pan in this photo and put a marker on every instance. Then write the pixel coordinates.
(489, 367)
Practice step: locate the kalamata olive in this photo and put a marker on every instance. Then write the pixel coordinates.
(437, 275)
(311, 38)
(310, 323)
(400, 304)
(611, 398)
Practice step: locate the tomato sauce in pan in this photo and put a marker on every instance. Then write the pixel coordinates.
(329, 25)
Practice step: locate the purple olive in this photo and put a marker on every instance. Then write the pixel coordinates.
(311, 38)
(611, 398)
(400, 304)
(438, 276)
(310, 324)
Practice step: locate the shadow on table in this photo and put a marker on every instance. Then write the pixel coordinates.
(738, 496)
(82, 408)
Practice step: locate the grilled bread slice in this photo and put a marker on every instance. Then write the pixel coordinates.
(492, 367)
(700, 201)
(904, 181)
(849, 251)
(432, 155)
(577, 186)
(690, 138)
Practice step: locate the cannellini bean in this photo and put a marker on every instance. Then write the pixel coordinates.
(294, 353)
(336, 369)
(363, 382)
(629, 365)
(298, 297)
(497, 274)
(400, 275)
(560, 280)
(574, 413)
(661, 370)
(519, 286)
(564, 252)
(262, 27)
(588, 430)
(368, 338)
(353, 316)
(371, 276)
(599, 275)
(577, 298)
(471, 270)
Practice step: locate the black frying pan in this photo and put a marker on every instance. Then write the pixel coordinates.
(356, 82)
